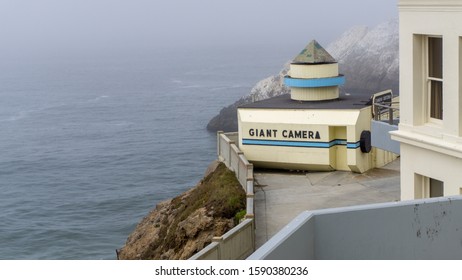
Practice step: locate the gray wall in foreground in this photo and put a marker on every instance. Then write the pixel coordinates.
(297, 239)
(420, 229)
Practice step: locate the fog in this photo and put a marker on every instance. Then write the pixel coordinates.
(58, 25)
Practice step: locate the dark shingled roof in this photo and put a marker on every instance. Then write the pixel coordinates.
(345, 101)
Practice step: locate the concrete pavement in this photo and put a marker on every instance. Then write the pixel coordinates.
(281, 196)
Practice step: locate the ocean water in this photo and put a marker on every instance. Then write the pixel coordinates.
(91, 142)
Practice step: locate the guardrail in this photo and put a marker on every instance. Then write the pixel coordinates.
(386, 119)
(236, 244)
(387, 112)
(239, 242)
(229, 153)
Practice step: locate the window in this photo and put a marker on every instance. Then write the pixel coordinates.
(435, 77)
(436, 188)
(426, 187)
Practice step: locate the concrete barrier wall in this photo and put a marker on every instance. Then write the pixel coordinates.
(233, 136)
(211, 252)
(245, 171)
(239, 242)
(234, 159)
(294, 241)
(224, 146)
(418, 229)
(236, 244)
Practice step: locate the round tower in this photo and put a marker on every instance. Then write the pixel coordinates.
(313, 75)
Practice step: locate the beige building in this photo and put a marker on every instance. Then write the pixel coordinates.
(313, 128)
(430, 129)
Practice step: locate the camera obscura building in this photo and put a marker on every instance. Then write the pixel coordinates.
(315, 127)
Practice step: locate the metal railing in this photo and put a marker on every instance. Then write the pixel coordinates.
(388, 112)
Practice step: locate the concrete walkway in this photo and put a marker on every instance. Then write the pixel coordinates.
(281, 196)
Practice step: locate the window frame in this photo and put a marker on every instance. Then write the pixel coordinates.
(429, 80)
(426, 187)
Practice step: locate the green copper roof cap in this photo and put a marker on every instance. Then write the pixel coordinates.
(313, 53)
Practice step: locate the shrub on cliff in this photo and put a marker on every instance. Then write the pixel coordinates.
(181, 227)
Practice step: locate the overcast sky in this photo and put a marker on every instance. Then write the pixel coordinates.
(86, 24)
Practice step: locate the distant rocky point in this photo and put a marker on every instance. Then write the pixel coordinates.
(367, 57)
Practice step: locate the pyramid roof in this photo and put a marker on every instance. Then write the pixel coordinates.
(313, 53)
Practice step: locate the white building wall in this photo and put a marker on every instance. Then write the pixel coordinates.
(416, 162)
(430, 149)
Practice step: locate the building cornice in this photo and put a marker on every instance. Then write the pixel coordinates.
(428, 142)
(430, 5)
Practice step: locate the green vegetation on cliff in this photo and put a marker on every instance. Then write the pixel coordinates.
(181, 227)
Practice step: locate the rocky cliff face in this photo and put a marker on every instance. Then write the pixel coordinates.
(367, 57)
(272, 86)
(178, 228)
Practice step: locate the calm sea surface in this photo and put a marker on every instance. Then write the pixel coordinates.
(89, 144)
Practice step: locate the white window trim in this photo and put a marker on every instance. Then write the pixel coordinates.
(428, 79)
(424, 186)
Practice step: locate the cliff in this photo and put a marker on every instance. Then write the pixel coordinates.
(269, 87)
(180, 227)
(367, 57)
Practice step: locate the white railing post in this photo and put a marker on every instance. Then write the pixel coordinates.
(250, 206)
(230, 151)
(250, 172)
(219, 133)
(219, 240)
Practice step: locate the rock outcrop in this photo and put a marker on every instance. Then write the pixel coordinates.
(272, 86)
(367, 57)
(178, 228)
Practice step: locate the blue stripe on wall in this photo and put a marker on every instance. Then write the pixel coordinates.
(313, 83)
(353, 145)
(301, 144)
